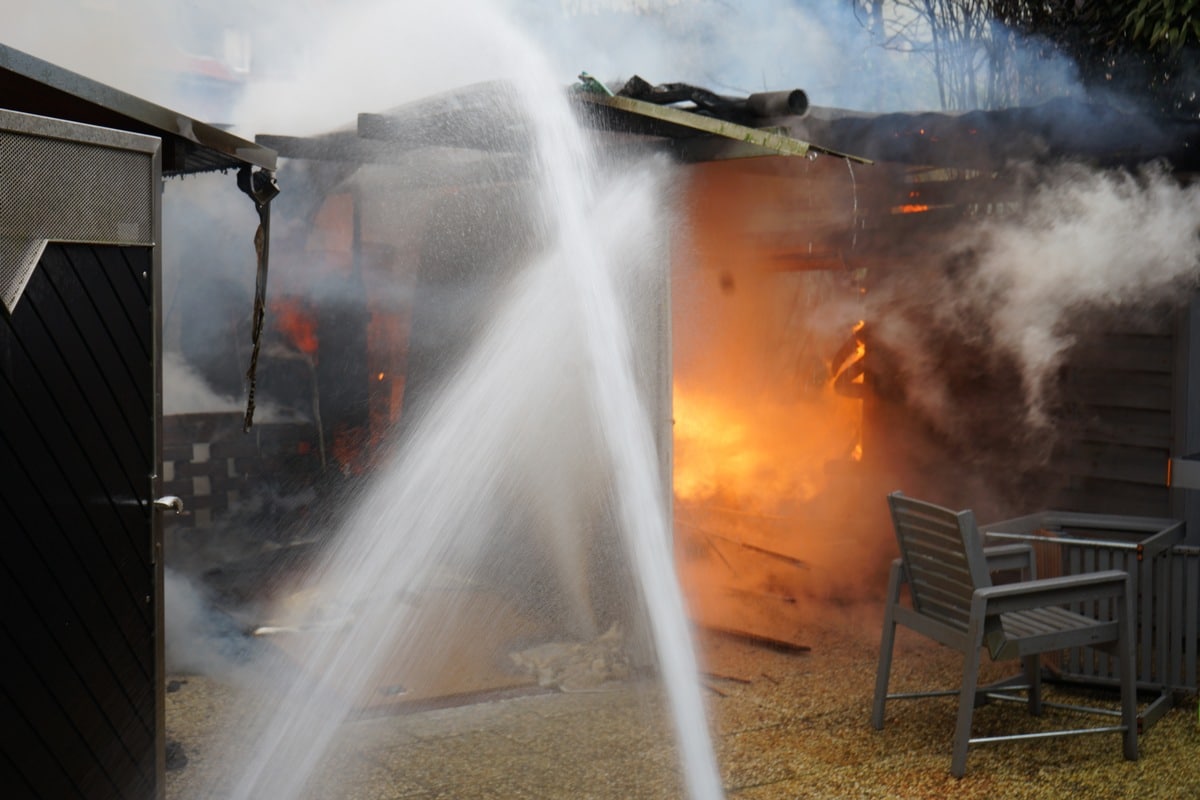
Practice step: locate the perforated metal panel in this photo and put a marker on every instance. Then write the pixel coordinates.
(69, 183)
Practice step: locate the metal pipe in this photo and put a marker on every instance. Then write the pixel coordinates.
(792, 102)
(1009, 698)
(1064, 540)
(1016, 737)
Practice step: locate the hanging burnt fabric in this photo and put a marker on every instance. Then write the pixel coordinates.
(261, 187)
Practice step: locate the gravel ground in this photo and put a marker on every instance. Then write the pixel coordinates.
(785, 723)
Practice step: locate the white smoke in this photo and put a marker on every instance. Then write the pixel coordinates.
(314, 66)
(371, 55)
(734, 48)
(185, 392)
(121, 47)
(368, 55)
(1085, 241)
(300, 67)
(200, 639)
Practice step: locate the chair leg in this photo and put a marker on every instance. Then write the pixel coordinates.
(1127, 655)
(1033, 676)
(966, 698)
(886, 645)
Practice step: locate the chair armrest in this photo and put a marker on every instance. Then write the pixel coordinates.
(1010, 556)
(1053, 591)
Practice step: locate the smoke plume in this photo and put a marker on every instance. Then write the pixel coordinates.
(201, 639)
(1019, 287)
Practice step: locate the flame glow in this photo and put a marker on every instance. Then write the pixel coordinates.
(765, 455)
(296, 322)
(767, 401)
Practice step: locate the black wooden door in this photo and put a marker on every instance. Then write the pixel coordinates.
(80, 702)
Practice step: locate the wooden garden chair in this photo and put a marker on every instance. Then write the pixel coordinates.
(954, 602)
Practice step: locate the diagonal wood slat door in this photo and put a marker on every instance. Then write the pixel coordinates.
(77, 574)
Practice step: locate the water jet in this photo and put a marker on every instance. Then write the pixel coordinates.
(530, 458)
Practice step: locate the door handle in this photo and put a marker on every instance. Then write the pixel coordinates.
(169, 502)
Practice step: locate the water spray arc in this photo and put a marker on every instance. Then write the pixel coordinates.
(626, 429)
(548, 387)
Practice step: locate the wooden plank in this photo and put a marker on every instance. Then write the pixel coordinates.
(1116, 462)
(946, 557)
(1043, 621)
(1104, 496)
(949, 613)
(1148, 390)
(974, 191)
(930, 571)
(1126, 352)
(1126, 426)
(932, 593)
(687, 126)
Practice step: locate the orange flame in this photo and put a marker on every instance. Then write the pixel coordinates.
(295, 321)
(768, 401)
(767, 453)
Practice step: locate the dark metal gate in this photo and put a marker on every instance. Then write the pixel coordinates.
(1167, 579)
(80, 591)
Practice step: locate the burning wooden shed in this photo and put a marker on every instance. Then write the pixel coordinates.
(402, 234)
(946, 407)
(780, 400)
(1121, 409)
(82, 167)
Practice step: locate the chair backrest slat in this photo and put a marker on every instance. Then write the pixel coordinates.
(942, 558)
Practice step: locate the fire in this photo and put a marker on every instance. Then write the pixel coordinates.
(768, 393)
(713, 446)
(296, 322)
(760, 485)
(764, 455)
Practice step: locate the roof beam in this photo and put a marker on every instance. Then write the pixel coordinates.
(614, 112)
